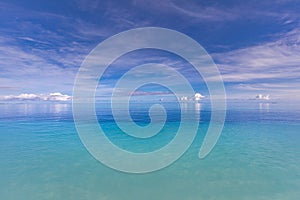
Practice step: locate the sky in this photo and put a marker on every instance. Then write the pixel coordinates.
(255, 44)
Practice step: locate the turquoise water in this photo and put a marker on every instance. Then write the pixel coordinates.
(256, 157)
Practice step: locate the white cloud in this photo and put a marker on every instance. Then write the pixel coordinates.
(196, 97)
(37, 97)
(262, 97)
(57, 97)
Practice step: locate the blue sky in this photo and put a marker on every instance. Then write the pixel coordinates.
(255, 44)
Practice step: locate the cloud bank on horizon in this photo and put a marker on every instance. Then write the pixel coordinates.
(56, 96)
(255, 44)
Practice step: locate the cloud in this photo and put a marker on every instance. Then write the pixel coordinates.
(37, 97)
(196, 97)
(41, 50)
(36, 57)
(33, 40)
(270, 67)
(36, 69)
(262, 97)
(199, 96)
(57, 97)
(217, 11)
(192, 10)
(279, 59)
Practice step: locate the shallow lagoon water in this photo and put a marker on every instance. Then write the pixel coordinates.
(256, 157)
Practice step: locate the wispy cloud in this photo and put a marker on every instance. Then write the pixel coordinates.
(37, 57)
(195, 11)
(272, 67)
(217, 11)
(28, 71)
(279, 59)
(192, 9)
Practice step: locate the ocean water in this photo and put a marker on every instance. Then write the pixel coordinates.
(256, 157)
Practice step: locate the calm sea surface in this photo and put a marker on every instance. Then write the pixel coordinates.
(256, 157)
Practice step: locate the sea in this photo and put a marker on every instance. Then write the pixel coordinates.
(256, 157)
